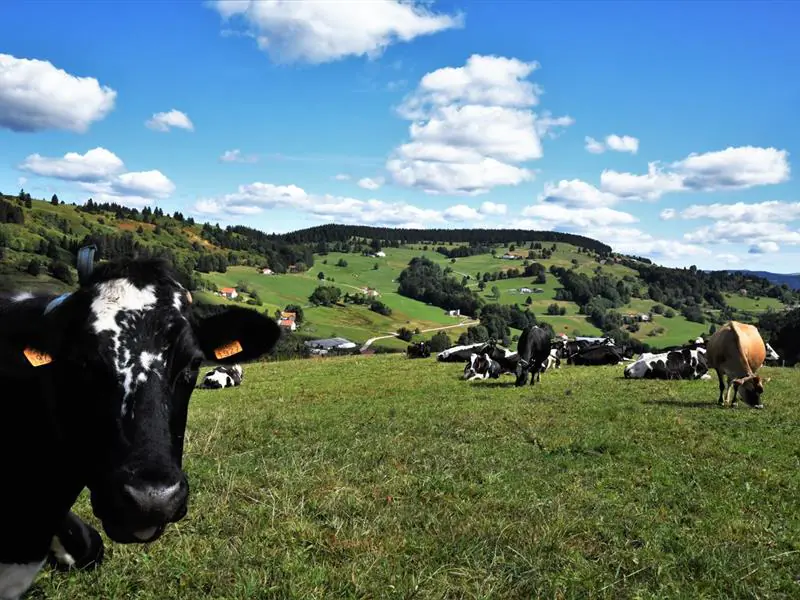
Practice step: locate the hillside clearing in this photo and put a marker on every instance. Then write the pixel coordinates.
(376, 477)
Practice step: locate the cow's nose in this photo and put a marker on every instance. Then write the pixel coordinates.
(158, 500)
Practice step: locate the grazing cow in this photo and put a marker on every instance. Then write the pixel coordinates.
(96, 387)
(600, 354)
(533, 349)
(419, 350)
(222, 377)
(737, 351)
(675, 364)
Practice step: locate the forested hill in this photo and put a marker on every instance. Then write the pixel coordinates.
(391, 236)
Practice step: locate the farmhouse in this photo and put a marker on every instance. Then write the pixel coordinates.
(287, 320)
(454, 313)
(322, 347)
(525, 290)
(508, 256)
(369, 292)
(267, 271)
(228, 292)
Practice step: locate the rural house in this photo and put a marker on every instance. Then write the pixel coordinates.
(322, 347)
(267, 271)
(228, 292)
(288, 320)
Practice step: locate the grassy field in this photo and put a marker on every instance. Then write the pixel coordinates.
(382, 477)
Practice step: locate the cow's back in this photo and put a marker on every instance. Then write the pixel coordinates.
(736, 348)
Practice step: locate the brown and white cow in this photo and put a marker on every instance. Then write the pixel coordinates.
(737, 351)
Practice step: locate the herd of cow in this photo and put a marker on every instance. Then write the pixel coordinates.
(735, 351)
(97, 382)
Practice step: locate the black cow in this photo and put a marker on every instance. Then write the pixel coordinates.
(223, 376)
(96, 387)
(599, 354)
(419, 350)
(533, 349)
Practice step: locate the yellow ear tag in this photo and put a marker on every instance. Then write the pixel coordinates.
(228, 350)
(37, 358)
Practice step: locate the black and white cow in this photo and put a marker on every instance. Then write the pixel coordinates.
(492, 362)
(419, 350)
(599, 354)
(95, 391)
(687, 363)
(223, 376)
(553, 360)
(459, 353)
(533, 349)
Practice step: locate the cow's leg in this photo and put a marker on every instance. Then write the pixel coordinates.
(721, 402)
(733, 393)
(76, 545)
(16, 578)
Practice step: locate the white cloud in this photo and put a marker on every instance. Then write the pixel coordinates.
(102, 173)
(576, 193)
(667, 214)
(97, 164)
(342, 177)
(764, 248)
(770, 211)
(370, 184)
(550, 215)
(37, 96)
(730, 259)
(751, 232)
(255, 198)
(164, 121)
(623, 143)
(462, 212)
(593, 146)
(236, 156)
(320, 32)
(491, 208)
(637, 242)
(472, 127)
(729, 169)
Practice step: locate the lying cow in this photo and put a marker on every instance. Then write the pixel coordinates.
(737, 351)
(222, 377)
(601, 354)
(675, 364)
(459, 353)
(96, 387)
(491, 362)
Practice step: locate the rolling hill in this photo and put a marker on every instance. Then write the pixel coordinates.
(581, 286)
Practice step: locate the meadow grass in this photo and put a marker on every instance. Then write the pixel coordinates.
(384, 477)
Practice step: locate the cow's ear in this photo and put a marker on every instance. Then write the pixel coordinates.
(236, 335)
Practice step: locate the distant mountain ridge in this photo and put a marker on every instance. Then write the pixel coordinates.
(790, 279)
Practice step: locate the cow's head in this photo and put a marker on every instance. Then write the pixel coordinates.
(127, 346)
(750, 389)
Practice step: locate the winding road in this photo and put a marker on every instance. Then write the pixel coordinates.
(391, 335)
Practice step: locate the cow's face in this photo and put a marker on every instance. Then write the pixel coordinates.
(131, 351)
(751, 389)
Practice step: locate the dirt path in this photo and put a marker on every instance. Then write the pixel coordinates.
(369, 342)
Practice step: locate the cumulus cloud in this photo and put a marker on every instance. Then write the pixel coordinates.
(770, 211)
(730, 169)
(320, 32)
(370, 184)
(576, 193)
(549, 216)
(37, 96)
(102, 173)
(472, 128)
(173, 119)
(236, 156)
(255, 198)
(637, 242)
(342, 177)
(668, 214)
(618, 143)
(750, 232)
(729, 259)
(764, 248)
(491, 208)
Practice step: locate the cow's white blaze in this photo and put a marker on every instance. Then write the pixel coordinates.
(15, 579)
(117, 308)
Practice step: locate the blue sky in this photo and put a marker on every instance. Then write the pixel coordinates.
(663, 129)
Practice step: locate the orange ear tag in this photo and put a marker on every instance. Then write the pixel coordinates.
(228, 350)
(37, 358)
